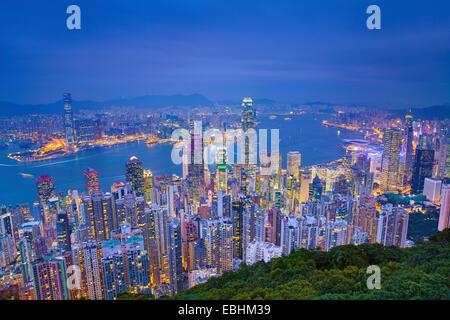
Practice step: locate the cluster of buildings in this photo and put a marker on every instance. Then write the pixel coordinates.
(163, 234)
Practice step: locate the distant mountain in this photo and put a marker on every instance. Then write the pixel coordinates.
(143, 102)
(433, 112)
(153, 102)
(427, 113)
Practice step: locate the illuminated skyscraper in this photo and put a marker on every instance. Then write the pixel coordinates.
(391, 159)
(409, 154)
(176, 271)
(91, 180)
(45, 188)
(92, 267)
(226, 247)
(135, 175)
(114, 281)
(248, 114)
(50, 279)
(130, 209)
(68, 119)
(98, 211)
(294, 159)
(305, 180)
(63, 231)
(221, 170)
(248, 122)
(148, 184)
(238, 228)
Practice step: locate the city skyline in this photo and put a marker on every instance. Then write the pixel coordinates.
(225, 150)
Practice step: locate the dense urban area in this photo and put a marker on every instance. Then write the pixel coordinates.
(230, 230)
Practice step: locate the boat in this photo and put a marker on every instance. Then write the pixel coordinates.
(26, 175)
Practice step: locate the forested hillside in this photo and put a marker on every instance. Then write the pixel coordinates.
(421, 272)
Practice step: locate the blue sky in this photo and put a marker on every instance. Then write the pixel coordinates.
(290, 51)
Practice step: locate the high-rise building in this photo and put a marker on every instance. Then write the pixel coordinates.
(391, 160)
(444, 216)
(91, 180)
(225, 247)
(305, 180)
(432, 189)
(148, 185)
(50, 279)
(248, 114)
(45, 188)
(336, 234)
(176, 271)
(238, 227)
(294, 159)
(248, 118)
(135, 175)
(63, 231)
(422, 168)
(392, 226)
(89, 260)
(68, 119)
(99, 215)
(409, 152)
(114, 276)
(131, 209)
(447, 161)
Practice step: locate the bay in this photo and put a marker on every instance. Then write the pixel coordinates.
(304, 133)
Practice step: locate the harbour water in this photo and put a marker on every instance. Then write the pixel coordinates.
(305, 133)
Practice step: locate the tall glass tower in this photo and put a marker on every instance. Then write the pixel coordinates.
(248, 122)
(248, 114)
(68, 118)
(135, 175)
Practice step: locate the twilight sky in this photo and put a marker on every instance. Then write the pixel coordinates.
(290, 51)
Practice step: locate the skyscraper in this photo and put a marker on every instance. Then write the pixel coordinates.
(45, 188)
(305, 180)
(392, 226)
(432, 189)
(91, 180)
(148, 184)
(447, 161)
(50, 279)
(409, 153)
(98, 210)
(63, 231)
(68, 119)
(248, 122)
(135, 175)
(293, 163)
(238, 228)
(92, 267)
(225, 247)
(422, 168)
(248, 114)
(176, 271)
(391, 159)
(444, 220)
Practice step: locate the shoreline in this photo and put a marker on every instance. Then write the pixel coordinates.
(65, 153)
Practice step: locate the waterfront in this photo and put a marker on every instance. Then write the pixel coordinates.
(305, 133)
